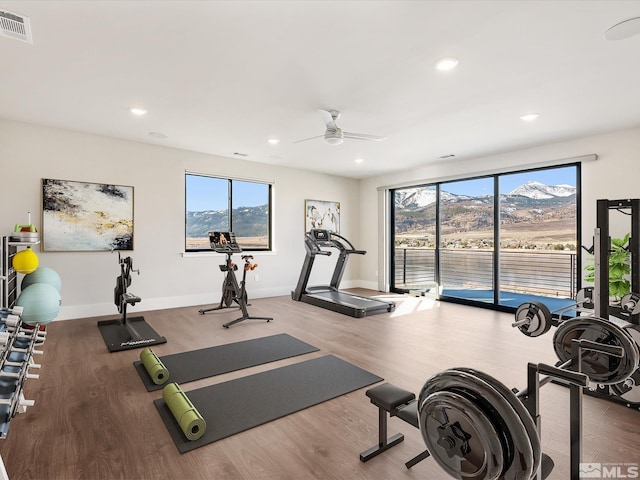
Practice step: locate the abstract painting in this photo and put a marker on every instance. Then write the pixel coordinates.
(83, 216)
(322, 214)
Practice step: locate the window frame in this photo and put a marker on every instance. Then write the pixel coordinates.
(496, 176)
(230, 201)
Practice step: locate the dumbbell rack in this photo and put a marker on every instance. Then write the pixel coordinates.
(18, 345)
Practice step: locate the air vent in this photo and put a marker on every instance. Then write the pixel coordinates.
(15, 26)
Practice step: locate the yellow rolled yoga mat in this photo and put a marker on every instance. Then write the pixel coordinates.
(191, 422)
(154, 366)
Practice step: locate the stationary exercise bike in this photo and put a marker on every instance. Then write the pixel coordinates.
(122, 298)
(225, 242)
(124, 334)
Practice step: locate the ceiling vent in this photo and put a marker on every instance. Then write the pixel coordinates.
(15, 26)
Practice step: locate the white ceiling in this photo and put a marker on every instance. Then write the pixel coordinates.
(224, 76)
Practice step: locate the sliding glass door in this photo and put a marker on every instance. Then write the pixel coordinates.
(538, 235)
(499, 240)
(466, 239)
(414, 246)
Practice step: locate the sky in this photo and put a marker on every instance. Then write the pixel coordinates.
(508, 182)
(209, 193)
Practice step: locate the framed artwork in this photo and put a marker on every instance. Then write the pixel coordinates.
(322, 214)
(83, 216)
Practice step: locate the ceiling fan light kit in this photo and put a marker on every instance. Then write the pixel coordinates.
(334, 135)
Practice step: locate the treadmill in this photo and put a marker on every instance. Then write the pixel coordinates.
(329, 296)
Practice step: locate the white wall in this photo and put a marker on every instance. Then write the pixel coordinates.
(29, 153)
(613, 176)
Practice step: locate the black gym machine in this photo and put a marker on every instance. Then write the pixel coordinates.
(127, 333)
(330, 296)
(225, 242)
(534, 318)
(475, 427)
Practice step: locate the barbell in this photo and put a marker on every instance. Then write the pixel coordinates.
(477, 428)
(535, 319)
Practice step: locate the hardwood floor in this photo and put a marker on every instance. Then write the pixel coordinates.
(93, 418)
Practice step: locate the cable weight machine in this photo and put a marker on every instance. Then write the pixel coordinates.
(603, 308)
(534, 319)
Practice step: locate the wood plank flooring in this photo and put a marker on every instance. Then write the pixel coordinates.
(93, 418)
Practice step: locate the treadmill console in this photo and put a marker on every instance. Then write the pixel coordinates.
(321, 237)
(224, 242)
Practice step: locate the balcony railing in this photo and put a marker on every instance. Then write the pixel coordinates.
(551, 274)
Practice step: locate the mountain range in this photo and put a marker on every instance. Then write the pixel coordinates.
(419, 197)
(533, 214)
(247, 221)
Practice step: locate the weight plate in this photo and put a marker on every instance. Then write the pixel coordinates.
(539, 318)
(630, 303)
(584, 298)
(461, 437)
(629, 390)
(517, 448)
(600, 368)
(634, 331)
(523, 414)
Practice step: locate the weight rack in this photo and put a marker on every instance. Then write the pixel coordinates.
(18, 345)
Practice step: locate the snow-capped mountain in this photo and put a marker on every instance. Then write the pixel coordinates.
(539, 190)
(420, 197)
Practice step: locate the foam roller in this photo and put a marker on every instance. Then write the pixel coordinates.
(189, 419)
(154, 366)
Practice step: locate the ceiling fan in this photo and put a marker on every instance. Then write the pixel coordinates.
(334, 134)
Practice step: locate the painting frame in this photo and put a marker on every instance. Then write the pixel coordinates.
(323, 214)
(80, 216)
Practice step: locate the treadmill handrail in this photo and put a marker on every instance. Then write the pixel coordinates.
(341, 245)
(335, 240)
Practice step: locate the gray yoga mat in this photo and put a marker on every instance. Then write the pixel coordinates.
(237, 405)
(207, 362)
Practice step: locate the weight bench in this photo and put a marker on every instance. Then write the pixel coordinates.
(397, 403)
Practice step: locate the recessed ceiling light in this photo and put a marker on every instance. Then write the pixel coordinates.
(623, 30)
(138, 111)
(447, 63)
(359, 160)
(157, 135)
(273, 141)
(529, 117)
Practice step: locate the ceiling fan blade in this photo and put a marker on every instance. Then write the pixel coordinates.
(363, 136)
(310, 138)
(328, 120)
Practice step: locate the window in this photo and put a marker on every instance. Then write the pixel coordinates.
(500, 239)
(224, 204)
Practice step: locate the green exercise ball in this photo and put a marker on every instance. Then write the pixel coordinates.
(40, 302)
(42, 275)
